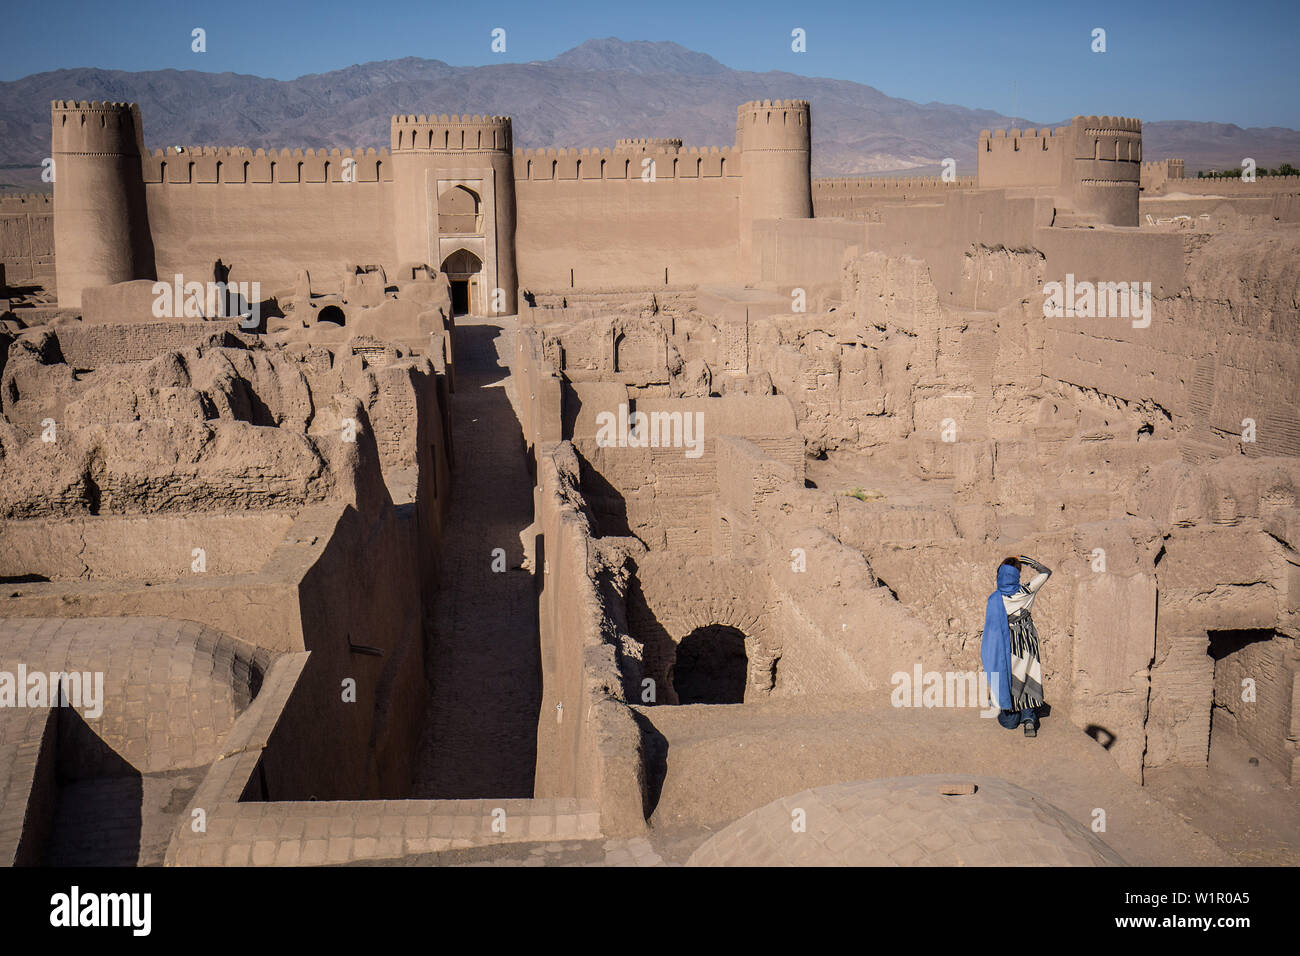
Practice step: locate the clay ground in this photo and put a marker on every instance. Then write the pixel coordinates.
(480, 737)
(1248, 810)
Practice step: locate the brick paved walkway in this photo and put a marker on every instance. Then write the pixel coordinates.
(480, 737)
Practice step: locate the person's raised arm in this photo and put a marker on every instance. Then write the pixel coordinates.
(1038, 579)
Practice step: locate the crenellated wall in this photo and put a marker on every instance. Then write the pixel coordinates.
(240, 164)
(1155, 174)
(450, 191)
(860, 197)
(269, 213)
(646, 216)
(1022, 157)
(1091, 168)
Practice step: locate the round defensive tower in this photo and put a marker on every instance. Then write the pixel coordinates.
(454, 190)
(775, 142)
(1107, 168)
(101, 225)
(774, 139)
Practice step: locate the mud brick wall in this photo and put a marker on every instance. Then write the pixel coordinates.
(94, 346)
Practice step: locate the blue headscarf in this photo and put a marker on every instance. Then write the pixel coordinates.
(995, 650)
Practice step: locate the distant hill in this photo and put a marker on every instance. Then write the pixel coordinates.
(587, 96)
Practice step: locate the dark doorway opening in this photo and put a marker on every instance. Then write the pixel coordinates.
(461, 269)
(711, 666)
(459, 296)
(332, 313)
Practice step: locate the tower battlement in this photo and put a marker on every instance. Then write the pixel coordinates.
(91, 127)
(1092, 167)
(774, 125)
(412, 133)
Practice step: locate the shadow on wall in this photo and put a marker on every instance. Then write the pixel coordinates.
(607, 504)
(658, 651)
(98, 816)
(654, 751)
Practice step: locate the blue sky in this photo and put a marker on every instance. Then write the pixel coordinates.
(1232, 63)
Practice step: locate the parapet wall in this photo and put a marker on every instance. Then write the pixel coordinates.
(240, 164)
(1233, 188)
(860, 197)
(450, 133)
(773, 124)
(626, 164)
(92, 127)
(1023, 157)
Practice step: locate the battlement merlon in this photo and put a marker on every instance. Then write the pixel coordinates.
(664, 144)
(595, 164)
(755, 105)
(96, 128)
(10, 201)
(774, 125)
(242, 164)
(450, 133)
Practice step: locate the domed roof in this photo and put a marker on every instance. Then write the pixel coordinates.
(935, 820)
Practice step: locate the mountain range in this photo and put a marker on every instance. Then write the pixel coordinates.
(588, 96)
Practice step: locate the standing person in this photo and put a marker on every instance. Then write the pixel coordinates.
(1010, 649)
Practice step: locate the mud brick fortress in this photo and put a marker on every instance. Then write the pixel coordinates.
(366, 579)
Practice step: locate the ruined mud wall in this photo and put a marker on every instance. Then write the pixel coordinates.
(587, 220)
(539, 391)
(1228, 566)
(834, 627)
(666, 496)
(26, 237)
(1054, 422)
(1219, 347)
(588, 744)
(94, 346)
(158, 458)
